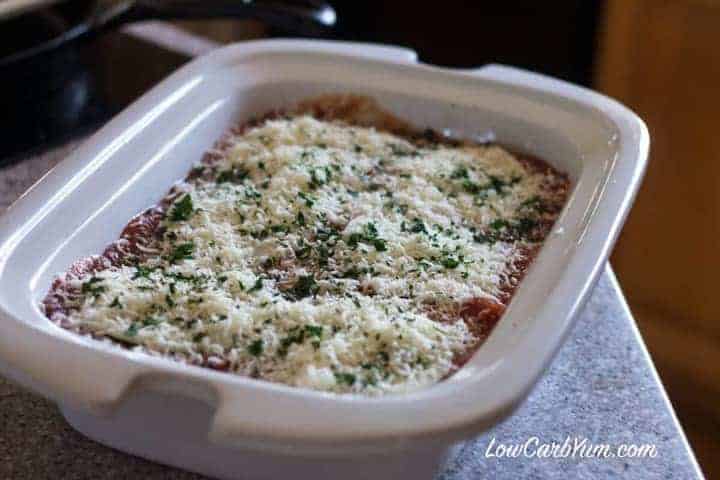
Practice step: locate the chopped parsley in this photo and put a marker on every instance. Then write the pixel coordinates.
(257, 286)
(304, 286)
(494, 183)
(233, 175)
(471, 187)
(319, 176)
(352, 272)
(184, 251)
(132, 330)
(182, 209)
(418, 226)
(450, 262)
(399, 150)
(150, 322)
(481, 237)
(460, 172)
(255, 348)
(524, 226)
(521, 228)
(369, 235)
(298, 335)
(499, 224)
(314, 331)
(532, 202)
(309, 199)
(91, 287)
(345, 378)
(142, 272)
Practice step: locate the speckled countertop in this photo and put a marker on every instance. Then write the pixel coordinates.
(602, 389)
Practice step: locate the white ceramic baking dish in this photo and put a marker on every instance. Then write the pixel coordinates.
(233, 427)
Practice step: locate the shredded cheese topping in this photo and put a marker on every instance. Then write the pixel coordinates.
(325, 256)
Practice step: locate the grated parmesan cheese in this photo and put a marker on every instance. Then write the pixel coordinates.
(318, 254)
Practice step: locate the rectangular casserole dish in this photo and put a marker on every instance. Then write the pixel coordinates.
(200, 419)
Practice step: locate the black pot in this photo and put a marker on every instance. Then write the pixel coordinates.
(37, 32)
(53, 86)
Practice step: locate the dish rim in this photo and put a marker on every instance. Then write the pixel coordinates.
(460, 408)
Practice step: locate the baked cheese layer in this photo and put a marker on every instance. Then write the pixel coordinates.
(325, 256)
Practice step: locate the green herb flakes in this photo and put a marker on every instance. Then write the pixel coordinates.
(184, 251)
(182, 209)
(256, 348)
(345, 379)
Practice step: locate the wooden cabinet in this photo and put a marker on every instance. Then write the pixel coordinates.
(662, 58)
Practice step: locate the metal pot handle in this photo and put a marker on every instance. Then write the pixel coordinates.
(298, 17)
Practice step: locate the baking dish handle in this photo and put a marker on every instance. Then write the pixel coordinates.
(40, 363)
(524, 78)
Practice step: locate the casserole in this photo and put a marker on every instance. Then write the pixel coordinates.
(82, 204)
(310, 250)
